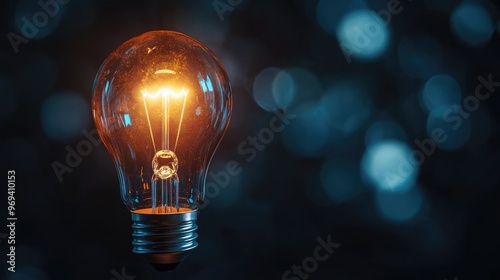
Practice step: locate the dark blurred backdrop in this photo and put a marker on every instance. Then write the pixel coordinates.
(389, 147)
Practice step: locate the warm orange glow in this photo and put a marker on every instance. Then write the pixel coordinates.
(172, 210)
(165, 92)
(165, 71)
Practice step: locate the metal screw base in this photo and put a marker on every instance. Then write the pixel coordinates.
(164, 240)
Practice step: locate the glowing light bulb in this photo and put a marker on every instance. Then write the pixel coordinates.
(161, 104)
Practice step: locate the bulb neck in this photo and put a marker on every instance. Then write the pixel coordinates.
(164, 240)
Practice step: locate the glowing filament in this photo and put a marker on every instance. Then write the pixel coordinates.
(165, 94)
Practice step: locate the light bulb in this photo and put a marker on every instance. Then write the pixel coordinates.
(161, 103)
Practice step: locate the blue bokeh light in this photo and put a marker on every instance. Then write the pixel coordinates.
(452, 124)
(399, 206)
(341, 180)
(308, 132)
(387, 165)
(64, 115)
(307, 86)
(472, 24)
(440, 90)
(34, 22)
(362, 35)
(274, 88)
(347, 106)
(329, 13)
(263, 89)
(283, 89)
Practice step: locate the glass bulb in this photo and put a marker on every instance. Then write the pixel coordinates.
(161, 103)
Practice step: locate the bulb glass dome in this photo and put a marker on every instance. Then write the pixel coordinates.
(161, 104)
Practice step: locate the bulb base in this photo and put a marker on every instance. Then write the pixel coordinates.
(164, 240)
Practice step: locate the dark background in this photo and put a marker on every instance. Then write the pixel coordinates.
(317, 178)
